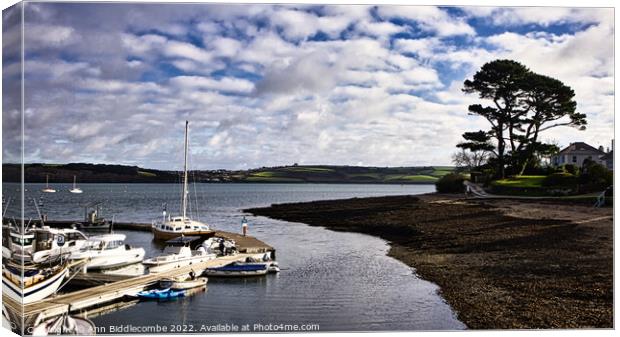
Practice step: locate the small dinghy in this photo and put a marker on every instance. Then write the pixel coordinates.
(237, 269)
(65, 325)
(161, 294)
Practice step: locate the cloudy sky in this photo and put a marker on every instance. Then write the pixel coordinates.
(266, 85)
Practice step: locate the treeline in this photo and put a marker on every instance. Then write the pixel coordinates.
(86, 173)
(102, 173)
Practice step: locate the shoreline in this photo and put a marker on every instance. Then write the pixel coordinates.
(519, 264)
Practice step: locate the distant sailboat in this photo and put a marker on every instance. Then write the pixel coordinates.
(47, 188)
(75, 189)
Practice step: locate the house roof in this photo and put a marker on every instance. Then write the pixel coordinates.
(581, 147)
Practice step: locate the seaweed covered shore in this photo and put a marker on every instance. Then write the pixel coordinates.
(501, 264)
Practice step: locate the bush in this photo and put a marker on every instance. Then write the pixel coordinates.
(596, 176)
(572, 169)
(562, 179)
(450, 183)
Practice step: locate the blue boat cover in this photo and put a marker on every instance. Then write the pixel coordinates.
(240, 267)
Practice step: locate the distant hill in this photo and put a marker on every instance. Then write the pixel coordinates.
(100, 173)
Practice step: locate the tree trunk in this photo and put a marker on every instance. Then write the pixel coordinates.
(501, 145)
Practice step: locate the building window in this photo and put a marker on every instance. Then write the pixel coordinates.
(574, 159)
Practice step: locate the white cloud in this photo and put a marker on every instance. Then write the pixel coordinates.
(226, 84)
(226, 47)
(296, 24)
(546, 16)
(256, 87)
(429, 18)
(43, 35)
(186, 50)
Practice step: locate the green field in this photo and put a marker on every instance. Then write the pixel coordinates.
(350, 174)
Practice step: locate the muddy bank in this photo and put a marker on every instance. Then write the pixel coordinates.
(500, 264)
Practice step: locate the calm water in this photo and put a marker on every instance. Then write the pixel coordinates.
(341, 281)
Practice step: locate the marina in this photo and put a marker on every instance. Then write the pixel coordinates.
(113, 288)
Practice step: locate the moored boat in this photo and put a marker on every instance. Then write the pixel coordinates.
(47, 188)
(172, 227)
(237, 269)
(26, 284)
(272, 266)
(177, 254)
(52, 244)
(108, 251)
(75, 189)
(220, 246)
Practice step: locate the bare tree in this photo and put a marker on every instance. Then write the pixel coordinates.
(469, 160)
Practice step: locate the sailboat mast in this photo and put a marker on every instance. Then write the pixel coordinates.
(47, 180)
(73, 182)
(184, 196)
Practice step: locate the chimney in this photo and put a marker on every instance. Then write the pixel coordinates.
(601, 148)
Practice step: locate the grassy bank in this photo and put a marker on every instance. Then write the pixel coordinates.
(500, 264)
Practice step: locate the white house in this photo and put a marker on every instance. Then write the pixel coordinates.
(608, 158)
(577, 152)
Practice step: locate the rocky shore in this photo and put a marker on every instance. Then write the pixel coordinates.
(501, 264)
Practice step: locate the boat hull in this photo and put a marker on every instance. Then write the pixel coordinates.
(36, 292)
(231, 273)
(102, 262)
(165, 266)
(164, 236)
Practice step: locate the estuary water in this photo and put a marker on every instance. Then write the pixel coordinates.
(334, 280)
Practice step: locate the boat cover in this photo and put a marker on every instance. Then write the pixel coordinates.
(240, 267)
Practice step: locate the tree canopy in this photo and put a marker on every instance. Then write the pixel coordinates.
(523, 104)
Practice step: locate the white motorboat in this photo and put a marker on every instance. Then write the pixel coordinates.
(220, 246)
(51, 244)
(172, 227)
(26, 284)
(75, 189)
(108, 251)
(64, 325)
(47, 188)
(177, 254)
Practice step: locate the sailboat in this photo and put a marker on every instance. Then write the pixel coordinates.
(75, 189)
(172, 227)
(47, 188)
